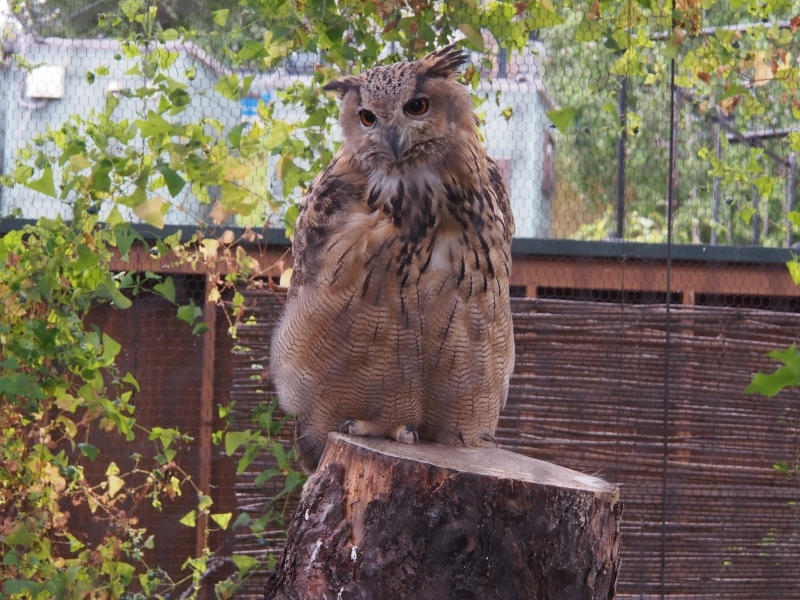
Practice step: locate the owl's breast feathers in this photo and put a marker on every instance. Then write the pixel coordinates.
(428, 227)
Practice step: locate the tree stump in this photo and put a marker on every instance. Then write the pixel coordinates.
(381, 521)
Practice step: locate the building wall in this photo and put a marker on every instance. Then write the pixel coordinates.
(517, 142)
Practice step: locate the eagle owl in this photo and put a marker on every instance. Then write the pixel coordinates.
(397, 321)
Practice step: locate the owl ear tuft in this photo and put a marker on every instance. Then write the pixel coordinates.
(443, 62)
(342, 85)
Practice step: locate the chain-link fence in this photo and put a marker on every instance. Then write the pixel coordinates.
(650, 159)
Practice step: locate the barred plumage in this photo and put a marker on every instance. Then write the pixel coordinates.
(397, 321)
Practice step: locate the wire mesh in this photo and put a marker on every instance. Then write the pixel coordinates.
(638, 323)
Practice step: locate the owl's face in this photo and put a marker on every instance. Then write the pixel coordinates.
(398, 117)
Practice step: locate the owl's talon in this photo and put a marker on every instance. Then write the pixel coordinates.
(407, 435)
(488, 437)
(346, 425)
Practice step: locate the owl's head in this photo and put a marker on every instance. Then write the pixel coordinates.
(398, 117)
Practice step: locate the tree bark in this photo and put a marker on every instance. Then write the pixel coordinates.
(383, 521)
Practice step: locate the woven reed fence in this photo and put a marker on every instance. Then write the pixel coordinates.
(651, 400)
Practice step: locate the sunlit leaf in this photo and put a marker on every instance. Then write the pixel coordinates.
(189, 519)
(152, 212)
(110, 348)
(562, 118)
(44, 184)
(473, 35)
(115, 484)
(794, 270)
(235, 135)
(222, 519)
(220, 16)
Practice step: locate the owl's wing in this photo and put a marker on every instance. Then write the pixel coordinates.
(506, 218)
(322, 211)
(500, 191)
(342, 348)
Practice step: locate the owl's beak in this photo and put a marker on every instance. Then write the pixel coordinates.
(394, 143)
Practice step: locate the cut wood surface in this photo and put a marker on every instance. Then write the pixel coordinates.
(381, 520)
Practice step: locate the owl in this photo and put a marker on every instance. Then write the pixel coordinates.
(397, 320)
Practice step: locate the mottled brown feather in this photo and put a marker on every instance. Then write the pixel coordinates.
(398, 309)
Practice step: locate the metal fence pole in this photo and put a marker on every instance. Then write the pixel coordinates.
(790, 195)
(755, 220)
(715, 207)
(621, 150)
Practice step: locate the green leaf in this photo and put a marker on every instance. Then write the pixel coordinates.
(169, 35)
(87, 258)
(251, 49)
(473, 34)
(747, 214)
(204, 502)
(125, 238)
(266, 475)
(317, 118)
(290, 218)
(78, 162)
(166, 288)
(110, 348)
(789, 357)
(783, 468)
(786, 376)
(794, 270)
(228, 86)
(19, 586)
(130, 7)
(88, 451)
(189, 519)
(233, 196)
(734, 90)
(770, 385)
(152, 212)
(109, 289)
(627, 64)
(165, 436)
(20, 536)
(234, 439)
(244, 563)
(155, 124)
(174, 181)
(200, 328)
(131, 380)
(293, 479)
(44, 184)
(220, 16)
(189, 313)
(222, 519)
(250, 454)
(115, 484)
(562, 118)
(235, 135)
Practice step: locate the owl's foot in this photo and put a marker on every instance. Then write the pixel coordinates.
(405, 434)
(352, 427)
(489, 440)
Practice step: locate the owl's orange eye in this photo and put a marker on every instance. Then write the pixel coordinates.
(417, 106)
(367, 118)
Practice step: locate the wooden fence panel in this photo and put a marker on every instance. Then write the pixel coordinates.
(597, 388)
